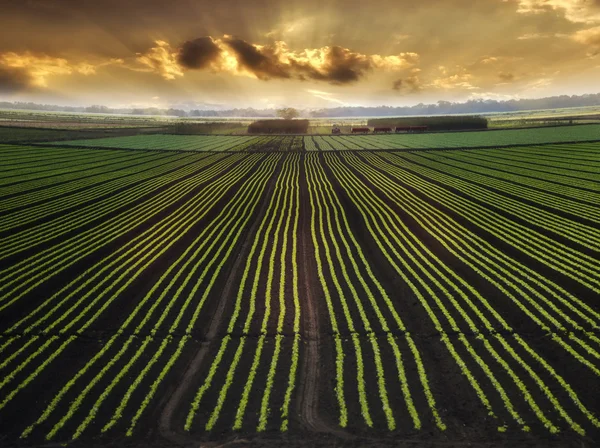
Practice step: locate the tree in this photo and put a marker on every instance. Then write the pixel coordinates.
(177, 112)
(288, 113)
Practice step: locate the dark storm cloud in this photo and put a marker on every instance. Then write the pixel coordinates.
(262, 62)
(344, 66)
(198, 53)
(341, 66)
(14, 80)
(506, 77)
(316, 34)
(410, 84)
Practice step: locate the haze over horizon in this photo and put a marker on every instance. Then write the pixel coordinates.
(306, 54)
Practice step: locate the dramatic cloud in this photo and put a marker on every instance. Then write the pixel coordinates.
(586, 11)
(14, 80)
(531, 36)
(490, 60)
(335, 64)
(217, 52)
(590, 38)
(411, 84)
(344, 66)
(539, 84)
(262, 61)
(161, 59)
(493, 61)
(506, 77)
(40, 67)
(198, 53)
(457, 78)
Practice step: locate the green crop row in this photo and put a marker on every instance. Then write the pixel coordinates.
(272, 238)
(550, 195)
(79, 187)
(484, 262)
(118, 269)
(488, 138)
(361, 271)
(430, 260)
(198, 247)
(178, 221)
(573, 263)
(57, 199)
(30, 272)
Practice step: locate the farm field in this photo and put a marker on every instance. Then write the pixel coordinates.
(23, 135)
(347, 142)
(302, 288)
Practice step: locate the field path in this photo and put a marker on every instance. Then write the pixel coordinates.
(308, 393)
(183, 388)
(308, 404)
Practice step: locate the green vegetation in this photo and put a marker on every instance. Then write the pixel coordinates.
(348, 142)
(284, 126)
(416, 292)
(435, 123)
(287, 113)
(545, 117)
(215, 127)
(170, 142)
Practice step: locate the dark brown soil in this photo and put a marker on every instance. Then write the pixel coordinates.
(313, 411)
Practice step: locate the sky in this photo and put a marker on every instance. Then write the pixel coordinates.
(211, 54)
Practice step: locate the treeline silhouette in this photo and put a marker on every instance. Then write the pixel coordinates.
(468, 107)
(439, 108)
(440, 123)
(278, 127)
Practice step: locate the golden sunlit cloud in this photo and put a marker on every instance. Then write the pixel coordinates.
(38, 68)
(498, 46)
(586, 11)
(161, 59)
(492, 61)
(538, 84)
(531, 36)
(335, 64)
(489, 60)
(589, 37)
(292, 27)
(404, 60)
(457, 78)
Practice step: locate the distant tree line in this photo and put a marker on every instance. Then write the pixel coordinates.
(182, 127)
(468, 107)
(97, 109)
(439, 108)
(438, 123)
(278, 127)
